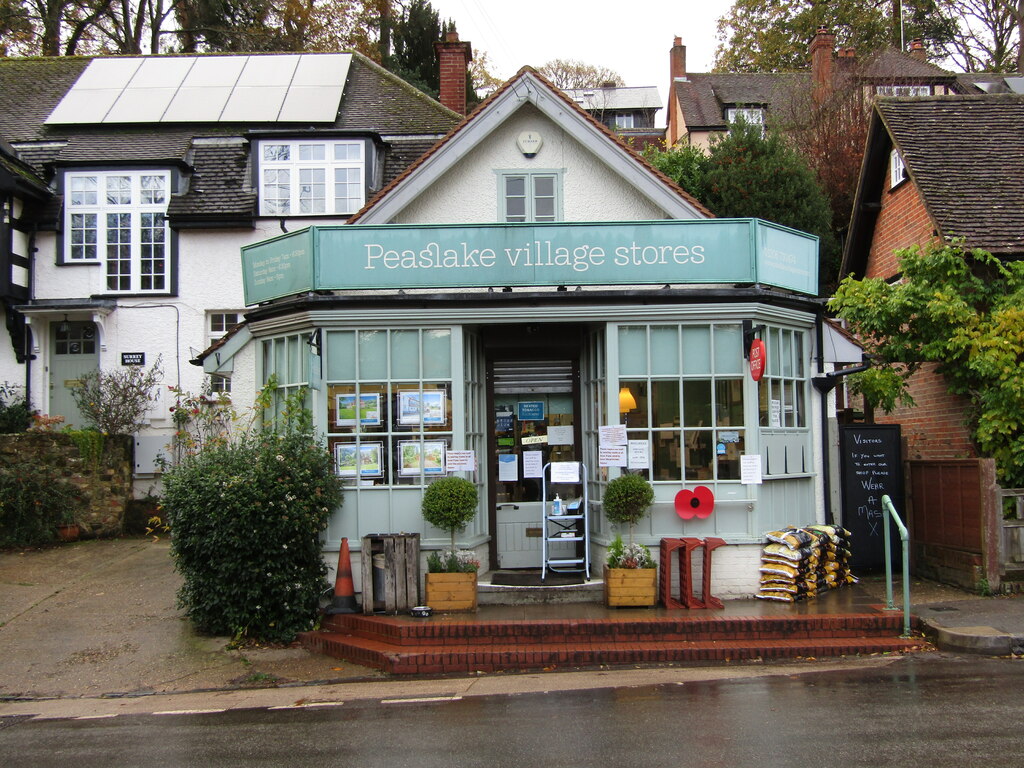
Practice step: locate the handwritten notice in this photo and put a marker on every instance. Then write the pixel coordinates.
(750, 469)
(560, 436)
(612, 456)
(461, 461)
(871, 469)
(612, 434)
(639, 454)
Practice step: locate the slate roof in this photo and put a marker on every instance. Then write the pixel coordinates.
(591, 99)
(965, 154)
(220, 188)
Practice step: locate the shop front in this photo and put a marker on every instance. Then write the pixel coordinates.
(498, 351)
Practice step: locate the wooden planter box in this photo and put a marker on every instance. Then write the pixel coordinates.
(637, 587)
(448, 592)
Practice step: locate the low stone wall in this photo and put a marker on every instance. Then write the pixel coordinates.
(105, 485)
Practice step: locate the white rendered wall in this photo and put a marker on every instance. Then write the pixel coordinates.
(469, 191)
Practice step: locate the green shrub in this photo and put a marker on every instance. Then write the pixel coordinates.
(449, 503)
(34, 500)
(626, 499)
(15, 412)
(247, 514)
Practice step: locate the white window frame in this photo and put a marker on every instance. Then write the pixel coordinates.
(531, 196)
(625, 120)
(903, 90)
(136, 246)
(218, 323)
(897, 169)
(293, 171)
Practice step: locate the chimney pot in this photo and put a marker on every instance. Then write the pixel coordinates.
(821, 63)
(453, 60)
(917, 49)
(677, 60)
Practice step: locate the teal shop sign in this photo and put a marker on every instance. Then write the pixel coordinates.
(390, 257)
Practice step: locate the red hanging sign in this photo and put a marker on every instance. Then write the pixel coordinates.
(757, 359)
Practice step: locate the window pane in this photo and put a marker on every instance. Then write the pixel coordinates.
(119, 190)
(312, 190)
(276, 152)
(277, 191)
(697, 403)
(83, 190)
(729, 402)
(633, 350)
(696, 349)
(373, 355)
(728, 454)
(787, 353)
(341, 355)
(153, 191)
(348, 151)
(666, 458)
(728, 349)
(348, 195)
(312, 152)
(83, 236)
(665, 350)
(515, 186)
(405, 354)
(665, 403)
(544, 209)
(119, 251)
(798, 354)
(544, 186)
(636, 416)
(437, 354)
(151, 252)
(697, 454)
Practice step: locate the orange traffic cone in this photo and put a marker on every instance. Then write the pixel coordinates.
(344, 591)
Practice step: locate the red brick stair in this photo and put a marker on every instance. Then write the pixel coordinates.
(402, 646)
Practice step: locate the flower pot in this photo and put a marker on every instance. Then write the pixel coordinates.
(68, 532)
(637, 587)
(450, 592)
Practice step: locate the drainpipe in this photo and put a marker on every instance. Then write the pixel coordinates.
(825, 384)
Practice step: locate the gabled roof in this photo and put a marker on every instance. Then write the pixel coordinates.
(965, 155)
(530, 87)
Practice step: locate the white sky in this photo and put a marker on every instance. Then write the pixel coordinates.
(632, 39)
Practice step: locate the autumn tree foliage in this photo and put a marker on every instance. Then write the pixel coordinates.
(570, 73)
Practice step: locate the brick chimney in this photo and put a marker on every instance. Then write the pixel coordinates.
(917, 49)
(677, 60)
(453, 59)
(821, 63)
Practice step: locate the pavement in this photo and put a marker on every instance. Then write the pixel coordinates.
(98, 619)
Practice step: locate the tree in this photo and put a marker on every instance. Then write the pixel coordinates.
(767, 36)
(962, 310)
(987, 35)
(748, 173)
(414, 57)
(569, 73)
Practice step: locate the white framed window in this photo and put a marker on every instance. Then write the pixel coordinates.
(749, 115)
(903, 90)
(118, 218)
(897, 169)
(218, 324)
(625, 120)
(530, 197)
(310, 178)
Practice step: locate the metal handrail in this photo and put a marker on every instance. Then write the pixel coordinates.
(905, 538)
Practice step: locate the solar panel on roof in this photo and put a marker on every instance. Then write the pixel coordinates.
(185, 89)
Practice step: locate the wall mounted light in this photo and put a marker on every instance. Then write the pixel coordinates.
(64, 326)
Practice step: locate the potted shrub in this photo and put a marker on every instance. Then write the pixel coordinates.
(630, 575)
(67, 528)
(449, 503)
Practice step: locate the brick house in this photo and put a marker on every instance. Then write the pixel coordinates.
(938, 168)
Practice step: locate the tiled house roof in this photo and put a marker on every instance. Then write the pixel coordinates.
(214, 156)
(965, 154)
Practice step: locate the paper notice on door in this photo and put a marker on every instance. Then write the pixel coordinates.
(750, 469)
(612, 434)
(565, 472)
(639, 454)
(560, 436)
(533, 463)
(508, 468)
(611, 456)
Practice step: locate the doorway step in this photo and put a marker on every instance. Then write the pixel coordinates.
(524, 587)
(566, 636)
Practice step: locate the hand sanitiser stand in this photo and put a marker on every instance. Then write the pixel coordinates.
(565, 521)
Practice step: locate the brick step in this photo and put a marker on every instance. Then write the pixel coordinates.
(402, 632)
(440, 658)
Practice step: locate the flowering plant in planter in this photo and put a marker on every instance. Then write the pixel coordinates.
(622, 555)
(449, 561)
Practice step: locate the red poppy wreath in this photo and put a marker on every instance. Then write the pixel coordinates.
(700, 502)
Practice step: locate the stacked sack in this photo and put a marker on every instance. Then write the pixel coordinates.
(803, 562)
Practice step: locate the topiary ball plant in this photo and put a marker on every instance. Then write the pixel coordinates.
(626, 500)
(449, 503)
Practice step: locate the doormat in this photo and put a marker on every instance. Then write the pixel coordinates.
(532, 579)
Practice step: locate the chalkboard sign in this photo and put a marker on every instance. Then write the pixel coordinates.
(871, 468)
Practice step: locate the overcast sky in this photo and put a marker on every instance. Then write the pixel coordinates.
(631, 38)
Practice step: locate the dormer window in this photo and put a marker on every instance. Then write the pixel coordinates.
(897, 170)
(748, 115)
(903, 90)
(625, 120)
(310, 178)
